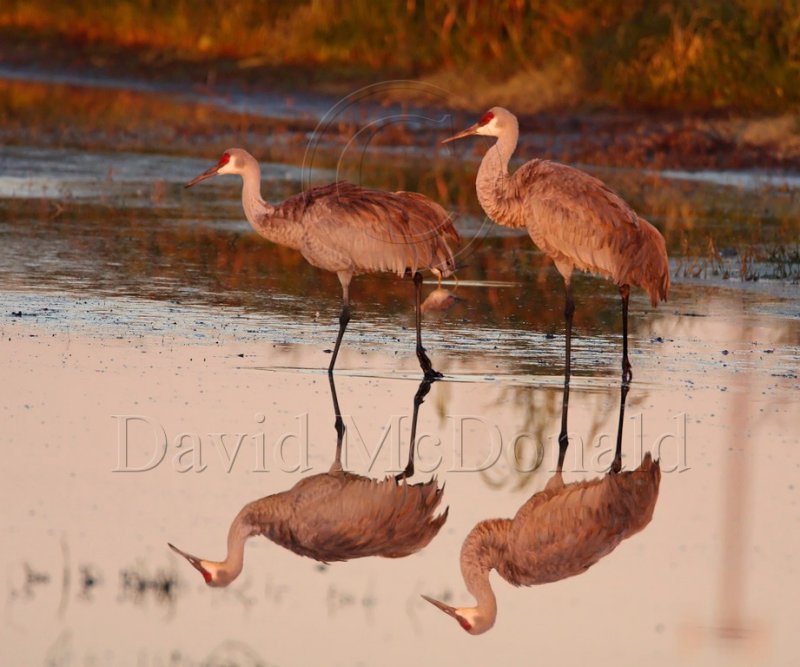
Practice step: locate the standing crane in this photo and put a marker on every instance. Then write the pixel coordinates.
(559, 532)
(350, 230)
(337, 515)
(572, 217)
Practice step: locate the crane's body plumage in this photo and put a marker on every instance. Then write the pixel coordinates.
(356, 230)
(334, 516)
(579, 222)
(566, 528)
(350, 230)
(558, 533)
(339, 515)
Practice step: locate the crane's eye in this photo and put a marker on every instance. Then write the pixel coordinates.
(486, 118)
(224, 160)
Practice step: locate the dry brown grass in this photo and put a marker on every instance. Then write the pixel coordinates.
(669, 54)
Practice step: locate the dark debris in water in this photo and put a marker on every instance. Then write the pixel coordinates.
(90, 579)
(137, 586)
(32, 579)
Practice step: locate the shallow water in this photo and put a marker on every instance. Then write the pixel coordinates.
(89, 541)
(123, 294)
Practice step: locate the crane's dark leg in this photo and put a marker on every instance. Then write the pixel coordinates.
(616, 464)
(563, 439)
(424, 362)
(338, 425)
(627, 374)
(344, 318)
(419, 399)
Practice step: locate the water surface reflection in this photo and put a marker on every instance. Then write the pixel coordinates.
(559, 532)
(338, 515)
(62, 437)
(123, 296)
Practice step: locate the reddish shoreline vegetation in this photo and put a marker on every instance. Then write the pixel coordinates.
(667, 54)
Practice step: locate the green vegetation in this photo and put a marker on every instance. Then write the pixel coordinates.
(643, 54)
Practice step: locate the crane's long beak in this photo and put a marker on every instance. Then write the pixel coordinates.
(447, 609)
(466, 133)
(192, 559)
(208, 173)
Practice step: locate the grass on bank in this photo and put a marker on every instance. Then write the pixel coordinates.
(665, 54)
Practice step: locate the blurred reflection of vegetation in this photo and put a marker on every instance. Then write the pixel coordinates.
(711, 231)
(155, 253)
(539, 411)
(118, 119)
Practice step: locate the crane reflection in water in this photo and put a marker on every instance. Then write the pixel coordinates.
(337, 515)
(559, 532)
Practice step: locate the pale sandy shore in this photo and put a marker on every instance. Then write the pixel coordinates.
(89, 578)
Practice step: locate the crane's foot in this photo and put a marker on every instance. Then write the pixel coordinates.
(627, 373)
(430, 372)
(408, 472)
(432, 375)
(616, 466)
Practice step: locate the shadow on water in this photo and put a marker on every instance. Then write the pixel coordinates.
(559, 532)
(338, 515)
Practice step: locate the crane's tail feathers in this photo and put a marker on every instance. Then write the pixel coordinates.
(648, 462)
(637, 493)
(388, 231)
(427, 231)
(413, 514)
(648, 265)
(653, 467)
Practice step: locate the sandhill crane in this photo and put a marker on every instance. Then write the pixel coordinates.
(350, 230)
(337, 515)
(558, 533)
(572, 217)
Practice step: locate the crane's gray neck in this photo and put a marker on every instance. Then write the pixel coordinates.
(261, 215)
(241, 529)
(254, 205)
(484, 549)
(493, 184)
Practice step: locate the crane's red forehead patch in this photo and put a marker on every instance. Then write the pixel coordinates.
(486, 118)
(224, 159)
(463, 621)
(206, 574)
